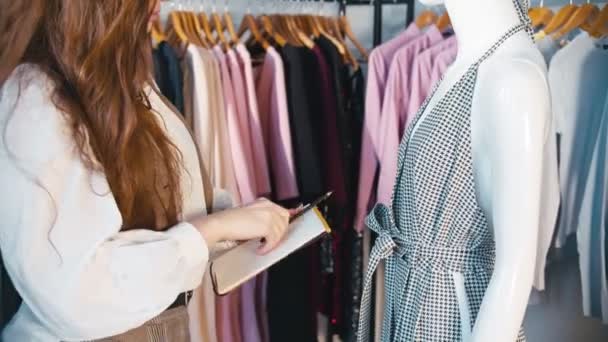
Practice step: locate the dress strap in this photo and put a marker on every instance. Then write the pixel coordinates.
(522, 7)
(510, 33)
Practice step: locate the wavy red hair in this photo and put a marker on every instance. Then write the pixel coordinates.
(97, 52)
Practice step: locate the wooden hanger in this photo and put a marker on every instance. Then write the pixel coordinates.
(560, 18)
(230, 27)
(176, 27)
(271, 32)
(219, 30)
(301, 36)
(444, 22)
(248, 24)
(600, 24)
(347, 30)
(336, 41)
(279, 28)
(541, 15)
(207, 30)
(581, 18)
(157, 33)
(425, 19)
(197, 29)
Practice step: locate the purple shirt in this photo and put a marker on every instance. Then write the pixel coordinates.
(379, 61)
(274, 118)
(394, 109)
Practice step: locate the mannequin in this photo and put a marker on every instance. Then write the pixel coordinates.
(510, 124)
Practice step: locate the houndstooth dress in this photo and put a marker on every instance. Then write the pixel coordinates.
(435, 226)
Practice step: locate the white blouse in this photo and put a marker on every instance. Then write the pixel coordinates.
(80, 277)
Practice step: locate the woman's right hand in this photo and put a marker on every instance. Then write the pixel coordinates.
(261, 219)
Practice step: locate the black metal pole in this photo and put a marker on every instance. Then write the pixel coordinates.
(410, 11)
(377, 22)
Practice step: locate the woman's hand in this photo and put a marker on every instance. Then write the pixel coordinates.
(261, 219)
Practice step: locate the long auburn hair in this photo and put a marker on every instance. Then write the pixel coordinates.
(98, 54)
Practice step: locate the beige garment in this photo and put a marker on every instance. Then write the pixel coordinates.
(201, 308)
(227, 315)
(222, 173)
(187, 91)
(170, 326)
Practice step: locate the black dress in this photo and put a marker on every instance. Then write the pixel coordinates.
(292, 285)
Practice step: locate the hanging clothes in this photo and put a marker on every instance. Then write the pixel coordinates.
(579, 93)
(377, 74)
(295, 274)
(229, 307)
(254, 292)
(334, 175)
(260, 159)
(274, 119)
(443, 60)
(421, 82)
(168, 74)
(353, 254)
(198, 115)
(395, 106)
(300, 75)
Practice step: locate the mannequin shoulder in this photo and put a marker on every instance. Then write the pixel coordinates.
(513, 93)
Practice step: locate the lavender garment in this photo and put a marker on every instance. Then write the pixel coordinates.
(379, 62)
(441, 64)
(258, 287)
(228, 308)
(251, 326)
(274, 118)
(260, 159)
(420, 81)
(243, 154)
(394, 109)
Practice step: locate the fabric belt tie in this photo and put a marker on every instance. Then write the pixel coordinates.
(390, 242)
(387, 242)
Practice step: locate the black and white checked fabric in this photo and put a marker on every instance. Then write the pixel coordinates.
(434, 226)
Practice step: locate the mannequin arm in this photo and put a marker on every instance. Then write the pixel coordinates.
(511, 114)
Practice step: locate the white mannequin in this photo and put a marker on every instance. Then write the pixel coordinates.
(510, 123)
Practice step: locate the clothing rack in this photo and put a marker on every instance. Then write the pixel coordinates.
(378, 5)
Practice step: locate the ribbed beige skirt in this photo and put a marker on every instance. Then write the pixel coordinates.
(170, 326)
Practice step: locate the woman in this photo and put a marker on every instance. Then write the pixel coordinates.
(103, 212)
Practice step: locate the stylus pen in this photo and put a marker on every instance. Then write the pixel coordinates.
(311, 205)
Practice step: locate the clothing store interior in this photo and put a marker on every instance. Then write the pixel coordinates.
(463, 198)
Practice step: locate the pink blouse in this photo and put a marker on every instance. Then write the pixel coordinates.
(274, 119)
(394, 109)
(379, 61)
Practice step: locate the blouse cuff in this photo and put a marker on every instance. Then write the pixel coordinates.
(193, 249)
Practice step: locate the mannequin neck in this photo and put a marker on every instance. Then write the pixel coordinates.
(479, 23)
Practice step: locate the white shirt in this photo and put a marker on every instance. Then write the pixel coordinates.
(80, 277)
(579, 88)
